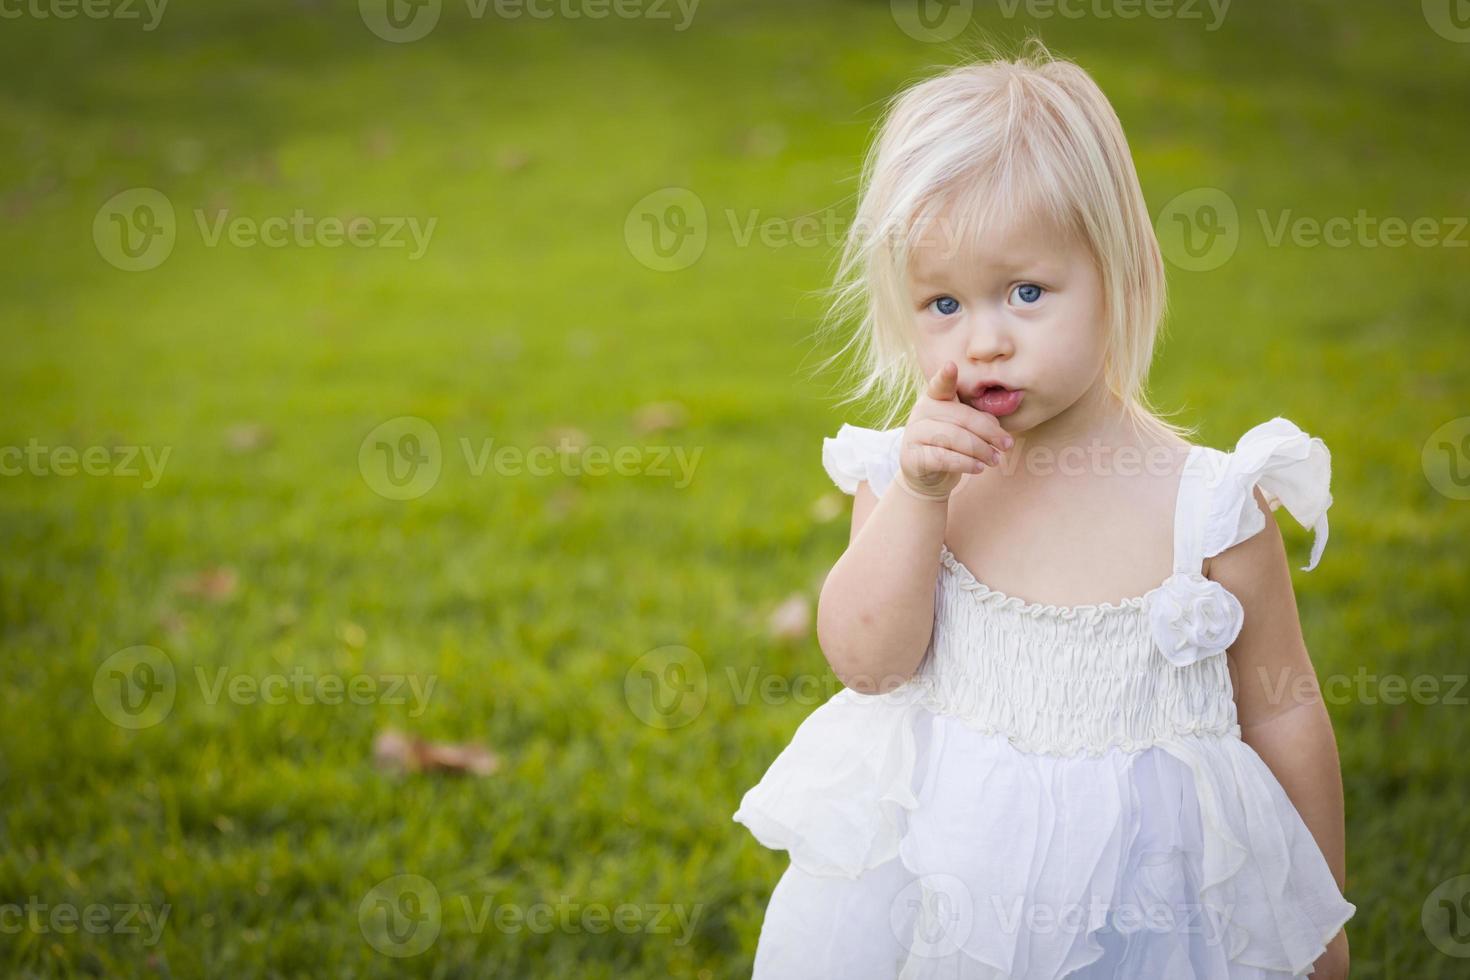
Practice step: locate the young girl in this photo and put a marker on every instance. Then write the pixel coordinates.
(1081, 735)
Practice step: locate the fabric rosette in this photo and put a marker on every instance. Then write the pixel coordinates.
(1193, 617)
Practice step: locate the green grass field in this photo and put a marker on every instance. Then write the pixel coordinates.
(261, 556)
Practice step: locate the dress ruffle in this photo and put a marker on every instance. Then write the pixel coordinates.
(1041, 863)
(856, 454)
(1290, 467)
(839, 807)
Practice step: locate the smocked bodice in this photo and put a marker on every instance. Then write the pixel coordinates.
(1062, 680)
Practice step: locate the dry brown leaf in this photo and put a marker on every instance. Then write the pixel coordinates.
(215, 584)
(18, 204)
(763, 141)
(352, 634)
(567, 438)
(248, 437)
(513, 159)
(398, 751)
(379, 143)
(657, 416)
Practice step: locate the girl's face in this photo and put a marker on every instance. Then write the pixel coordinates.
(1021, 307)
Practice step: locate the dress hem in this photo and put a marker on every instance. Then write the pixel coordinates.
(800, 823)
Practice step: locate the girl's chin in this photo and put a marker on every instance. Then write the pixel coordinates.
(1016, 421)
(1023, 420)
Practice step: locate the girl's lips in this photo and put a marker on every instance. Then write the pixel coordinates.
(999, 401)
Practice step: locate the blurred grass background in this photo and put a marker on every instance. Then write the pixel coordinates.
(527, 600)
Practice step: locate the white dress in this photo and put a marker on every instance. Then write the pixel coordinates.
(1058, 791)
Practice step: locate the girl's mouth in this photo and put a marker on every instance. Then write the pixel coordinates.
(998, 400)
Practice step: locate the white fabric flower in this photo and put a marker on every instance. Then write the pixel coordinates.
(1193, 617)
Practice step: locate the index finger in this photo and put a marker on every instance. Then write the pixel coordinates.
(944, 385)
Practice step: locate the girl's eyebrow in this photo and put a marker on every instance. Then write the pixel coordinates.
(1021, 264)
(1040, 265)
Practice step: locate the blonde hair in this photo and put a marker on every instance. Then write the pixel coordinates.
(999, 137)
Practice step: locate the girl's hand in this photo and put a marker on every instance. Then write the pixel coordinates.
(945, 439)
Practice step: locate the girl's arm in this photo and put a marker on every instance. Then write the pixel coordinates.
(1278, 701)
(876, 611)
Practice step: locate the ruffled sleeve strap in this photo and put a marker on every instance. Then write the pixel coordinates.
(1290, 467)
(856, 454)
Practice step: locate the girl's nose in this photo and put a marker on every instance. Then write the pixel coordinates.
(989, 338)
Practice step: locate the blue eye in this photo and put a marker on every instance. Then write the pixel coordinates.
(1027, 292)
(946, 305)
